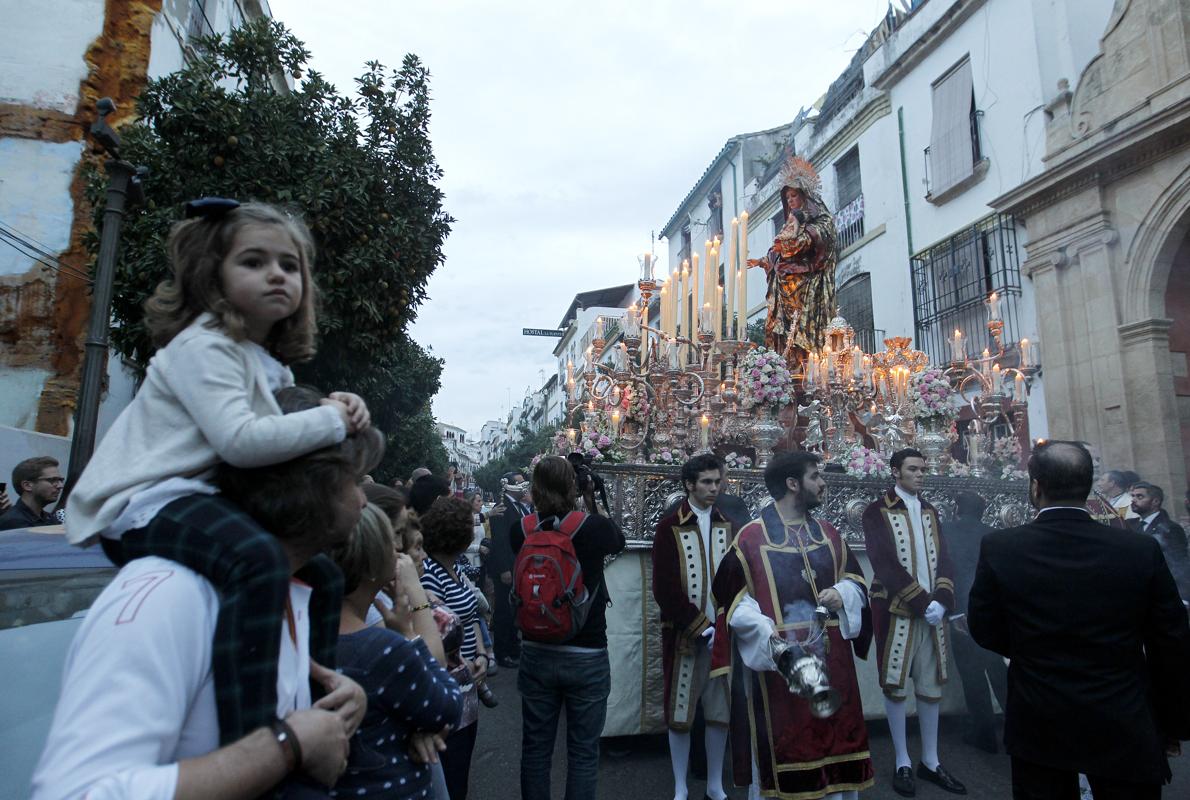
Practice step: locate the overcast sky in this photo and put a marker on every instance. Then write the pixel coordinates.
(568, 133)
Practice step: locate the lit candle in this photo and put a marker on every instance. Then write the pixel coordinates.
(994, 307)
(730, 277)
(1026, 353)
(704, 318)
(705, 423)
(985, 365)
(857, 363)
(997, 381)
(663, 322)
(958, 347)
(868, 376)
(599, 327)
(631, 322)
(695, 303)
(616, 422)
(1018, 388)
(571, 436)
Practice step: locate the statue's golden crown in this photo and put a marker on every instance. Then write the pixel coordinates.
(800, 174)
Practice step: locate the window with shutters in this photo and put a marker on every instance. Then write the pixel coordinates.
(954, 159)
(849, 194)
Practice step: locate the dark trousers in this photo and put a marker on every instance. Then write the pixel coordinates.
(505, 638)
(977, 667)
(549, 681)
(1036, 782)
(251, 570)
(456, 760)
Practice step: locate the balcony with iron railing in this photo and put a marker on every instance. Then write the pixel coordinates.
(849, 223)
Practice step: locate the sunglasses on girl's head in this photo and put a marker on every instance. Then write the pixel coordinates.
(209, 207)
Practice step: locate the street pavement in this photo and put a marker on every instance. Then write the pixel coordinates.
(643, 772)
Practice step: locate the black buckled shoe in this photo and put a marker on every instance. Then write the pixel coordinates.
(903, 782)
(487, 696)
(941, 778)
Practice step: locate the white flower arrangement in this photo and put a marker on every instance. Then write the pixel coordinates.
(736, 461)
(931, 393)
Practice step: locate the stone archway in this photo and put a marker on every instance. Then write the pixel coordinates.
(1177, 309)
(1155, 337)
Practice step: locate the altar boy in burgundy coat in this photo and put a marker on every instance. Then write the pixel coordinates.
(912, 592)
(687, 549)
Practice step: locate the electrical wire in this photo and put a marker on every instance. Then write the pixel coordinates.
(30, 248)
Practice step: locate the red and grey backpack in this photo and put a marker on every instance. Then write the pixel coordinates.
(548, 596)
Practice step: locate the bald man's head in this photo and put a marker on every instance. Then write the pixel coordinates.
(1064, 472)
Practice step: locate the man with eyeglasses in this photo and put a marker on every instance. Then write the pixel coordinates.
(39, 483)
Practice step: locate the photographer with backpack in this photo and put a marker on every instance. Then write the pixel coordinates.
(559, 599)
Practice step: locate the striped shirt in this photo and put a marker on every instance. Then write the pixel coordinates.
(458, 598)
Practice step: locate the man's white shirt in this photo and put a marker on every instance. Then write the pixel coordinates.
(138, 691)
(703, 515)
(922, 559)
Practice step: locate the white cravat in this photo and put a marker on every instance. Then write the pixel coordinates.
(922, 573)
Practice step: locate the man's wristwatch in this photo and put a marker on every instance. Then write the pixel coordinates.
(288, 741)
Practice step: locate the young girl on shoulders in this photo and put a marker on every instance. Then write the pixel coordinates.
(237, 312)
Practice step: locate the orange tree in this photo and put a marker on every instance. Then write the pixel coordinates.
(360, 169)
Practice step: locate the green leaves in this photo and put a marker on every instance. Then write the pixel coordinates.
(361, 170)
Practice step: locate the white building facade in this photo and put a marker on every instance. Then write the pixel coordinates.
(57, 59)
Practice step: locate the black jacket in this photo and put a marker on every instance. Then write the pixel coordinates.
(21, 516)
(963, 538)
(1098, 641)
(500, 555)
(1172, 539)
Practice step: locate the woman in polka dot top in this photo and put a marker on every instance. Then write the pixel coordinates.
(410, 695)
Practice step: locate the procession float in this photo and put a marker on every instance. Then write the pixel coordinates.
(677, 375)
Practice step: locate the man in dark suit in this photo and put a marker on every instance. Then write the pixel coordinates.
(507, 514)
(1153, 520)
(977, 666)
(1097, 637)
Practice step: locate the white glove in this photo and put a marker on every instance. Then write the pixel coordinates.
(709, 635)
(935, 611)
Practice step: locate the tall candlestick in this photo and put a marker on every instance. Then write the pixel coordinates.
(599, 327)
(1018, 388)
(675, 293)
(707, 249)
(730, 277)
(997, 383)
(704, 422)
(743, 289)
(719, 331)
(682, 300)
(695, 302)
(857, 363)
(1026, 353)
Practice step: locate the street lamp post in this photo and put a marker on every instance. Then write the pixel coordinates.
(123, 187)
